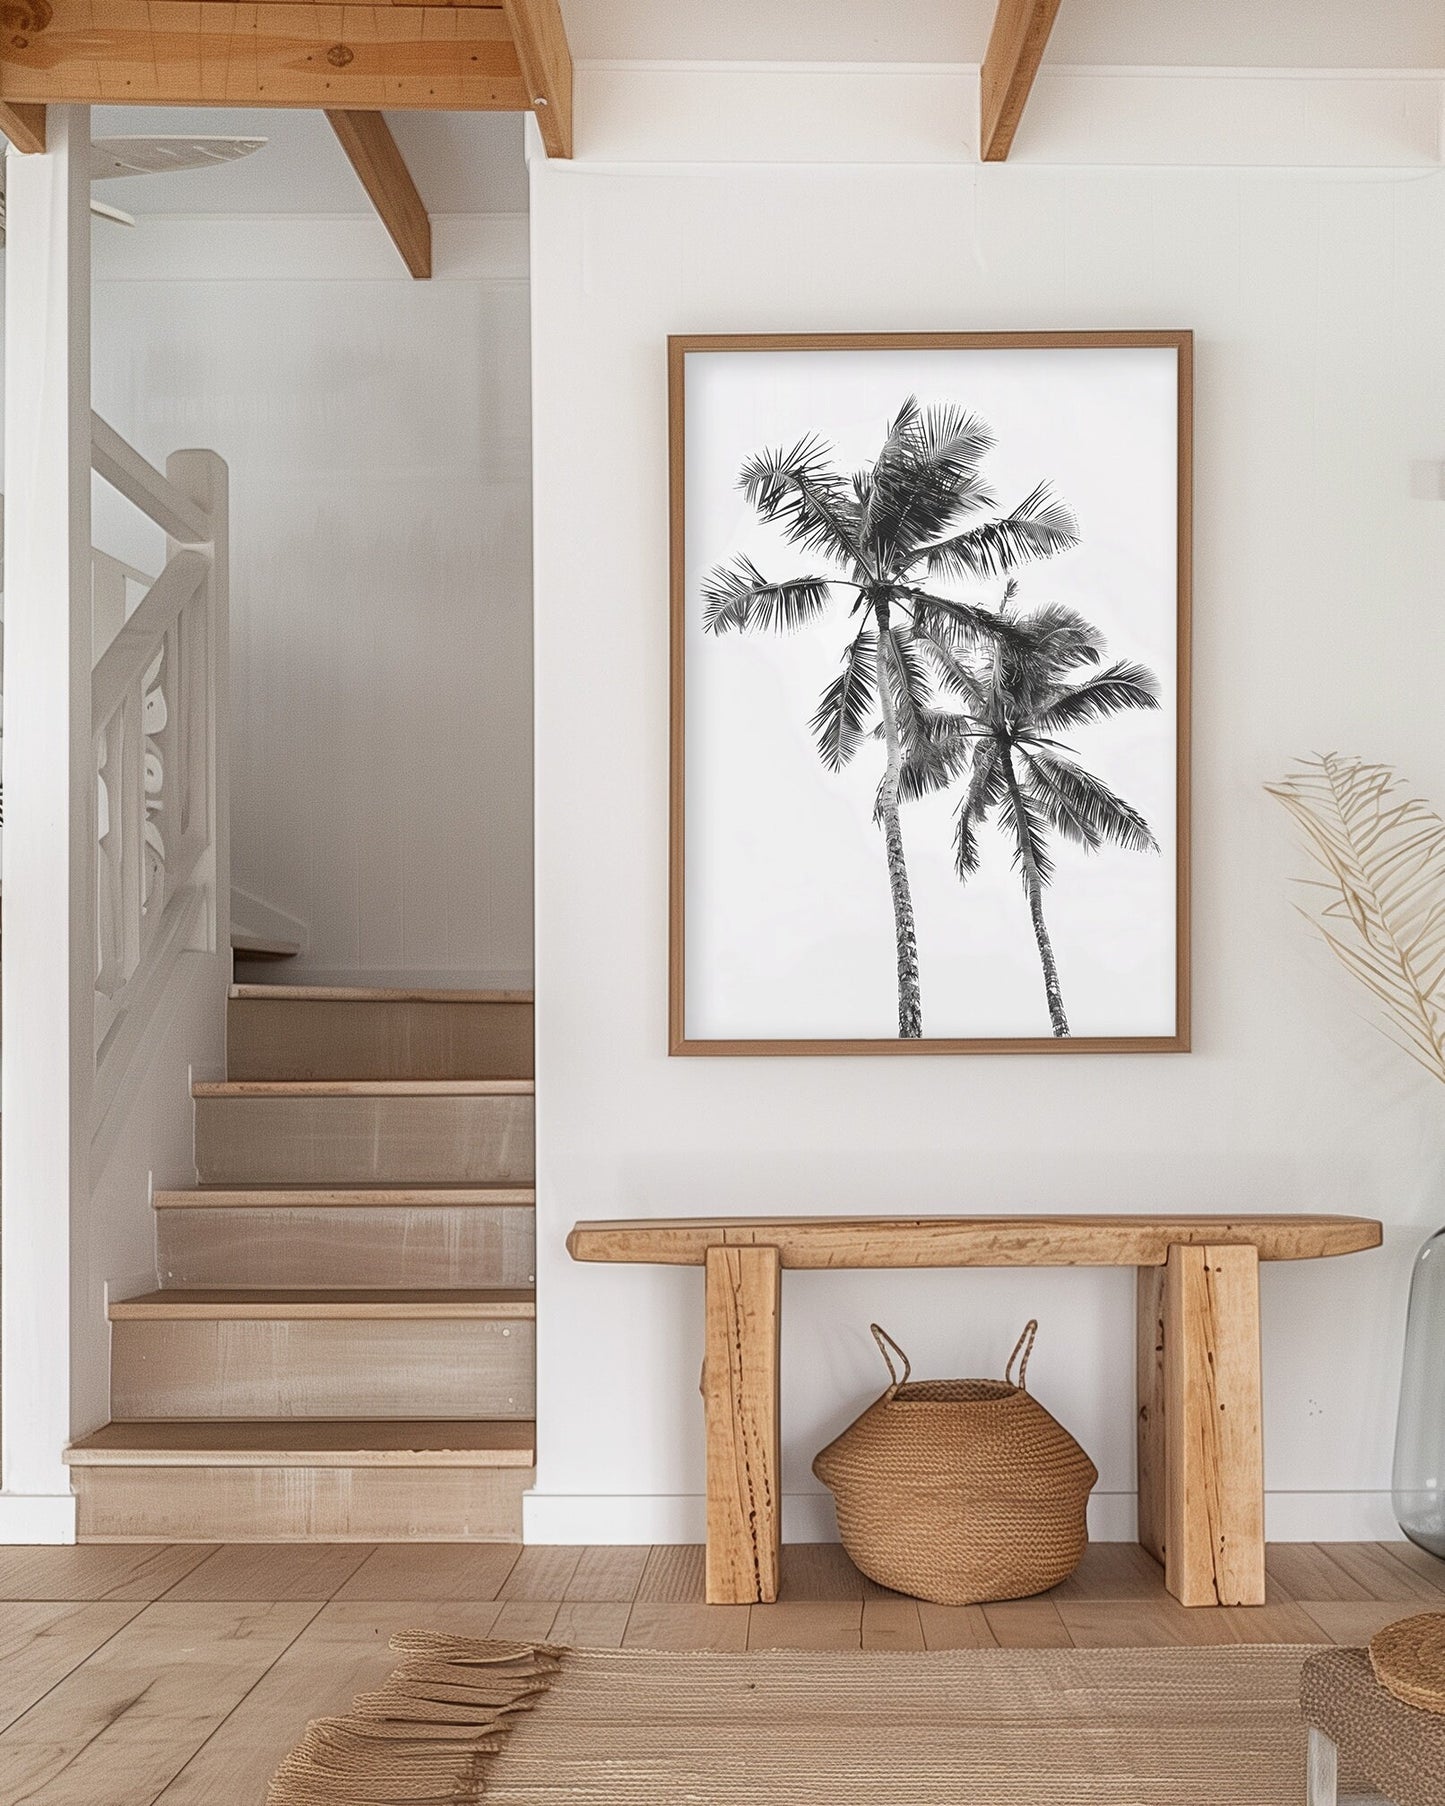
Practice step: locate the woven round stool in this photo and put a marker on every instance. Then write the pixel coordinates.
(1357, 1726)
(1409, 1660)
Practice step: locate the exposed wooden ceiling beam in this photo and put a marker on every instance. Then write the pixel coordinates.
(23, 126)
(366, 138)
(541, 40)
(173, 53)
(1015, 48)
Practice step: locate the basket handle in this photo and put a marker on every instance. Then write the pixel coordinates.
(1025, 1344)
(885, 1342)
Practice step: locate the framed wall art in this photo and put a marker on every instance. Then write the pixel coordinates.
(930, 693)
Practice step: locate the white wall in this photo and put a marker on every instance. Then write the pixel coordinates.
(376, 430)
(1315, 297)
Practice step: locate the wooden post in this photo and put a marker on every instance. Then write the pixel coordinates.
(1212, 1441)
(49, 902)
(740, 1394)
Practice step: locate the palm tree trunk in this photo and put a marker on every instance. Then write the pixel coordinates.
(1035, 892)
(910, 1002)
(1046, 957)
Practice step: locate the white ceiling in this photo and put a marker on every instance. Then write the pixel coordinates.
(461, 162)
(1366, 34)
(473, 163)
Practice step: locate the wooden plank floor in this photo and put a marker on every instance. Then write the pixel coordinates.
(181, 1675)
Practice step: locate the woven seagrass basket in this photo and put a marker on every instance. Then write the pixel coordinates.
(960, 1490)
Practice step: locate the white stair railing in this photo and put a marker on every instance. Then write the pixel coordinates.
(157, 695)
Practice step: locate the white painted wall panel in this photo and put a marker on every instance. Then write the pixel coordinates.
(377, 434)
(1321, 383)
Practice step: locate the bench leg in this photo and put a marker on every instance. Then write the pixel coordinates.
(1201, 1457)
(740, 1394)
(1149, 1379)
(1323, 1770)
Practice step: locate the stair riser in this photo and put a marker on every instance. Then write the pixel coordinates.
(364, 1140)
(300, 1504)
(318, 1038)
(324, 1368)
(463, 1245)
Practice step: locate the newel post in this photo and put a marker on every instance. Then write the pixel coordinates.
(49, 909)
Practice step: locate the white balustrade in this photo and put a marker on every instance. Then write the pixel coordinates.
(154, 693)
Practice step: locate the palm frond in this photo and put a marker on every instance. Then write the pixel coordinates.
(1040, 527)
(954, 675)
(738, 595)
(1382, 855)
(950, 437)
(847, 703)
(1058, 637)
(1082, 807)
(1121, 686)
(938, 758)
(924, 478)
(985, 787)
(799, 491)
(907, 675)
(960, 623)
(1024, 820)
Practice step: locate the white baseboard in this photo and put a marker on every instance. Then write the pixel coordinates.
(263, 921)
(573, 1518)
(37, 1517)
(1330, 1517)
(300, 971)
(559, 1517)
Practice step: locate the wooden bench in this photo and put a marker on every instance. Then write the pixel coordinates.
(1201, 1453)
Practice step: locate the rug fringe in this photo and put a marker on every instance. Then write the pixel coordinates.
(424, 1737)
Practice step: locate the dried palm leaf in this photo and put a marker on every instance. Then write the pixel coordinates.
(1381, 900)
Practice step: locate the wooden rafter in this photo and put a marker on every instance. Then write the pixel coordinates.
(24, 126)
(366, 138)
(1015, 48)
(507, 56)
(255, 53)
(541, 41)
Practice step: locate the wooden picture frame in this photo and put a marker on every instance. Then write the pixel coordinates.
(684, 1038)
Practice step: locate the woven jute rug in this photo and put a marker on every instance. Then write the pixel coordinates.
(515, 1725)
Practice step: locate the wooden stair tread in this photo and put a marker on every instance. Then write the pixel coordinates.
(375, 1197)
(369, 994)
(204, 1088)
(309, 1442)
(277, 1304)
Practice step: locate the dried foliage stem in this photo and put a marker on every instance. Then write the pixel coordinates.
(1381, 896)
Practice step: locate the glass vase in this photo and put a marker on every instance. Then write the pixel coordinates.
(1419, 1477)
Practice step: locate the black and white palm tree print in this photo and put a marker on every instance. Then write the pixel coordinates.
(1034, 686)
(961, 694)
(882, 540)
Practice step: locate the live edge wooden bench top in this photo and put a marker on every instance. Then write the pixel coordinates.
(999, 1241)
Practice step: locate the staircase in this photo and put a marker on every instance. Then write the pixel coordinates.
(342, 1345)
